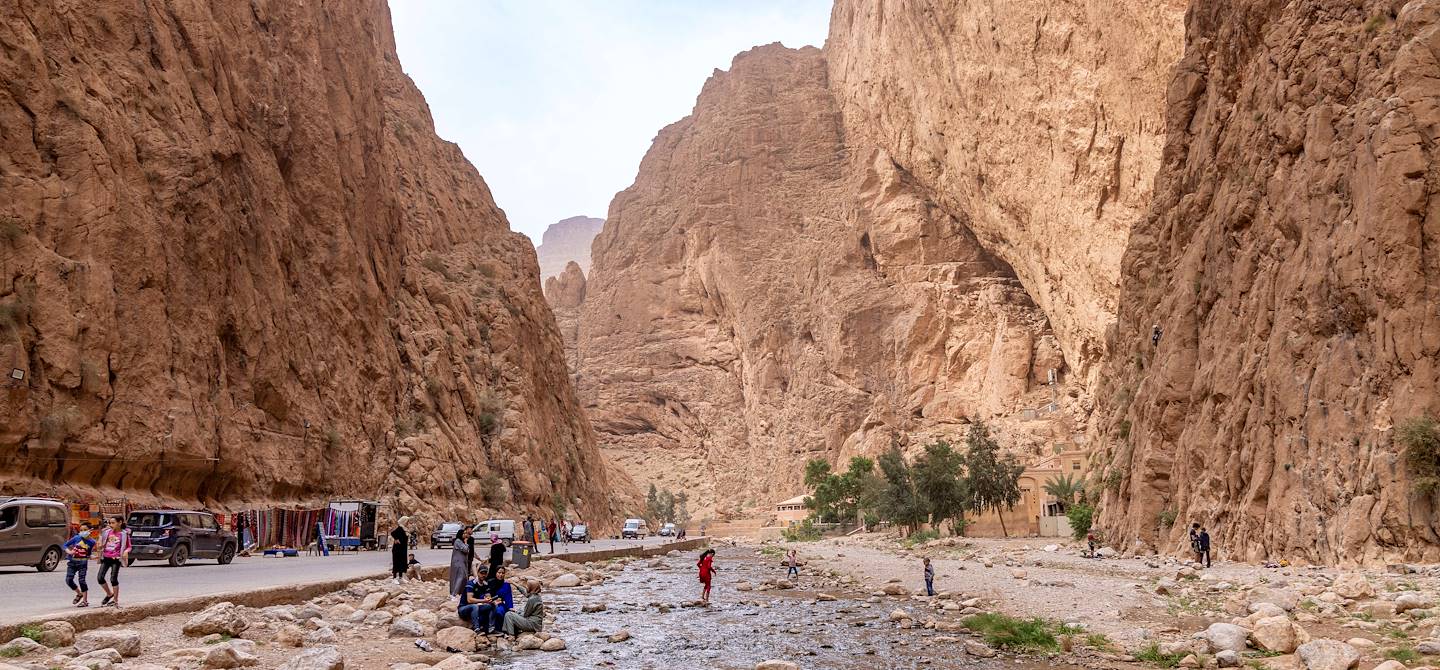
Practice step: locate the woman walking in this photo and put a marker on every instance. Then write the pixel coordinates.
(460, 557)
(707, 571)
(114, 552)
(399, 549)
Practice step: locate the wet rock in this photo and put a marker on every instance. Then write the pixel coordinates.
(618, 636)
(1221, 636)
(458, 638)
(319, 658)
(220, 618)
(566, 580)
(1327, 655)
(776, 665)
(127, 642)
(528, 642)
(590, 608)
(553, 644)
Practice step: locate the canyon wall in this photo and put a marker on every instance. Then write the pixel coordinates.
(240, 268)
(1289, 259)
(1038, 123)
(765, 294)
(564, 241)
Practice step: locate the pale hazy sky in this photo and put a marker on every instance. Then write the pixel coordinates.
(555, 102)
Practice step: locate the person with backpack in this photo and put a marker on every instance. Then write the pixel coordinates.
(1202, 542)
(114, 552)
(77, 551)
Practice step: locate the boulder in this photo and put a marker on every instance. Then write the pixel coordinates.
(1390, 665)
(222, 618)
(1190, 661)
(1018, 573)
(979, 649)
(1106, 552)
(406, 627)
(378, 618)
(896, 590)
(553, 644)
(1352, 585)
(527, 642)
(1327, 655)
(776, 665)
(1412, 600)
(227, 656)
(825, 597)
(455, 662)
(590, 608)
(566, 580)
(20, 646)
(290, 635)
(1265, 610)
(339, 612)
(1275, 634)
(1222, 636)
(127, 642)
(1285, 599)
(1227, 659)
(107, 655)
(319, 658)
(374, 600)
(56, 634)
(321, 636)
(618, 636)
(1428, 647)
(899, 615)
(459, 638)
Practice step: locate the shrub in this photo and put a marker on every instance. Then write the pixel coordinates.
(409, 424)
(489, 423)
(10, 315)
(1402, 654)
(492, 489)
(332, 438)
(1167, 518)
(1375, 23)
(10, 231)
(1011, 633)
(1124, 431)
(1420, 438)
(32, 631)
(434, 387)
(801, 532)
(11, 652)
(434, 264)
(1153, 655)
(1081, 516)
(58, 425)
(921, 537)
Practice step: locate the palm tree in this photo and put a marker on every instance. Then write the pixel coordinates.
(1065, 488)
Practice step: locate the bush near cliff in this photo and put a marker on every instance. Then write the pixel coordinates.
(1420, 438)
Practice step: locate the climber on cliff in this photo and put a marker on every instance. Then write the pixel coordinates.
(1155, 335)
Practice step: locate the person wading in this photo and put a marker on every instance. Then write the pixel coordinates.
(399, 549)
(706, 564)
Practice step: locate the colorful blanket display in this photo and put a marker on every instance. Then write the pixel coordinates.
(282, 527)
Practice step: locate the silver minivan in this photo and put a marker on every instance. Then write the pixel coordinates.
(32, 530)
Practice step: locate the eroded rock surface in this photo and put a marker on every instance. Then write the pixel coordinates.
(567, 241)
(1285, 257)
(232, 243)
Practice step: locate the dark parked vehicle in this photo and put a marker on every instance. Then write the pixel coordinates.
(32, 531)
(580, 533)
(444, 535)
(177, 536)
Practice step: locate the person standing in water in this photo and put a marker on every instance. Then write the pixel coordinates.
(399, 549)
(706, 564)
(793, 564)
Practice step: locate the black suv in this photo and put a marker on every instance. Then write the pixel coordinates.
(177, 536)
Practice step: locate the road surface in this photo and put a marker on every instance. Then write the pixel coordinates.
(28, 594)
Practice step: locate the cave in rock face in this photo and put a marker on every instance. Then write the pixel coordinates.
(240, 267)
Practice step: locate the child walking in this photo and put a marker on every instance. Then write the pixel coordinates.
(77, 551)
(707, 571)
(929, 578)
(794, 562)
(114, 552)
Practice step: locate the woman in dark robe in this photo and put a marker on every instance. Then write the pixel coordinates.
(497, 557)
(399, 549)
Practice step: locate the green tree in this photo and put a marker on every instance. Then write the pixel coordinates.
(938, 478)
(682, 512)
(838, 497)
(902, 502)
(1066, 488)
(993, 480)
(652, 503)
(665, 505)
(1081, 516)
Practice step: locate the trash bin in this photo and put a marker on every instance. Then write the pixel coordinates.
(520, 555)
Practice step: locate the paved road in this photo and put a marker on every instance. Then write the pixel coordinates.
(26, 594)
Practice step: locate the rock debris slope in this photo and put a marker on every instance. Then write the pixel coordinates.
(238, 265)
(764, 294)
(1289, 256)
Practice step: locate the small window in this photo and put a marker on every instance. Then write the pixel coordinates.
(35, 516)
(208, 522)
(55, 517)
(1075, 465)
(9, 517)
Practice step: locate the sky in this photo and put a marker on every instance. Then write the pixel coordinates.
(556, 102)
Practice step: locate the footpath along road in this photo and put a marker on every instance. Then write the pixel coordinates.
(27, 594)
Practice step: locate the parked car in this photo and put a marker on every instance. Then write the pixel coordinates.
(667, 530)
(176, 536)
(444, 535)
(32, 531)
(635, 528)
(504, 528)
(580, 533)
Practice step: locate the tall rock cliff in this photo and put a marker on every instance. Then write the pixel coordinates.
(1289, 260)
(1037, 123)
(565, 241)
(765, 294)
(239, 266)
(566, 293)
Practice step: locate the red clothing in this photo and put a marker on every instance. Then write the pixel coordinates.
(706, 569)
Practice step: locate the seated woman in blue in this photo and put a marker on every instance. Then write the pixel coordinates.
(500, 599)
(474, 607)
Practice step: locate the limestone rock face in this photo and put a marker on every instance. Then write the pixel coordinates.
(765, 293)
(1037, 123)
(1285, 257)
(566, 292)
(232, 242)
(566, 241)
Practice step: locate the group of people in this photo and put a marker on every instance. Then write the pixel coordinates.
(111, 545)
(487, 600)
(540, 530)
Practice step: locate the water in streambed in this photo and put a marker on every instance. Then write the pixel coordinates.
(739, 629)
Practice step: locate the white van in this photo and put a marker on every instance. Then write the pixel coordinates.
(504, 528)
(636, 528)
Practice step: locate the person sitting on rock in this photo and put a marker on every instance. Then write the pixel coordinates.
(472, 598)
(498, 602)
(531, 617)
